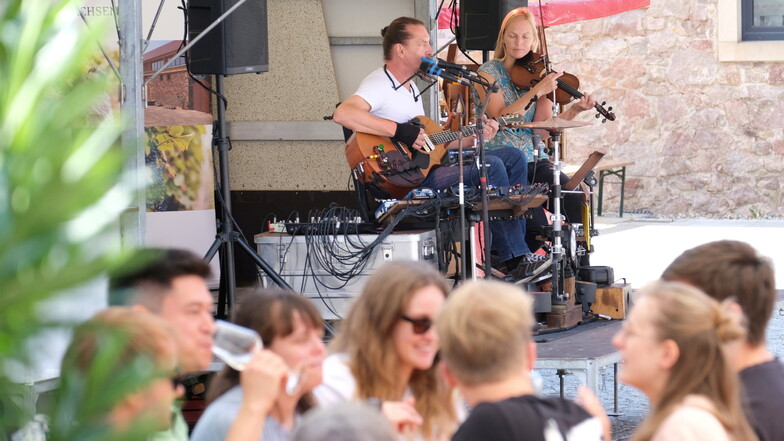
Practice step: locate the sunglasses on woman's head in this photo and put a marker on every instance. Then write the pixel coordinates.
(420, 325)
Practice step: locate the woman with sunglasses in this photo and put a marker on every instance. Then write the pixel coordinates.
(386, 352)
(672, 346)
(290, 327)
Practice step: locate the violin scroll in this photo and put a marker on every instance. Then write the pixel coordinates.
(607, 114)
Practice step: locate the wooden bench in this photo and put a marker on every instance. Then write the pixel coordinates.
(611, 168)
(604, 169)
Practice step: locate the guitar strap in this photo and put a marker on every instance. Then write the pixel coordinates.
(375, 188)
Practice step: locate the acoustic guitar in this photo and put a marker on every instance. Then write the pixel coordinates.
(391, 169)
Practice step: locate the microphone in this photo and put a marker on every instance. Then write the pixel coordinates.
(431, 69)
(457, 69)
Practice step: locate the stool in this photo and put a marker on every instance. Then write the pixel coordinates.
(611, 168)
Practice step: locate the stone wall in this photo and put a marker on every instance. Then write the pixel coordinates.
(707, 137)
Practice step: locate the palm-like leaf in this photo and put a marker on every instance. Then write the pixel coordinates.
(60, 200)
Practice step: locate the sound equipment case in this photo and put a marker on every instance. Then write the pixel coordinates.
(288, 256)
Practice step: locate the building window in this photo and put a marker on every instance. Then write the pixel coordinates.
(762, 20)
(180, 61)
(731, 45)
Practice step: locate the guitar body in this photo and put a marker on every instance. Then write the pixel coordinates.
(392, 169)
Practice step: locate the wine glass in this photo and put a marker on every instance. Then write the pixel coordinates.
(235, 345)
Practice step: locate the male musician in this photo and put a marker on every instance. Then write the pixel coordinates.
(385, 103)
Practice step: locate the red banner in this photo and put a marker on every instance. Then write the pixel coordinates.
(566, 11)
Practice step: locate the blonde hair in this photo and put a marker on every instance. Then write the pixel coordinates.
(484, 329)
(700, 327)
(366, 336)
(141, 333)
(513, 16)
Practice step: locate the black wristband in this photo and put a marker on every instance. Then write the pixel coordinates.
(406, 133)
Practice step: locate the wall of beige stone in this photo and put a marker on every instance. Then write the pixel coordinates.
(300, 86)
(707, 137)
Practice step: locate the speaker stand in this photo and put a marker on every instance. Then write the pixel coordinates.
(227, 236)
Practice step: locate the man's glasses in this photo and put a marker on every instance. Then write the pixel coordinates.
(420, 325)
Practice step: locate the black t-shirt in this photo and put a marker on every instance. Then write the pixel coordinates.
(529, 418)
(764, 389)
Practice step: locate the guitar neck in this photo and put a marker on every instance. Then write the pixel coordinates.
(439, 138)
(444, 137)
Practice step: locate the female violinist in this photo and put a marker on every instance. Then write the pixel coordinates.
(517, 37)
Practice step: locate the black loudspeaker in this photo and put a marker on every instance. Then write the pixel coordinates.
(236, 45)
(480, 21)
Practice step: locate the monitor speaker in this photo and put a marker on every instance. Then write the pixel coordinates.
(236, 45)
(480, 21)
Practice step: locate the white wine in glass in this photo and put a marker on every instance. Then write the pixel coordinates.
(235, 345)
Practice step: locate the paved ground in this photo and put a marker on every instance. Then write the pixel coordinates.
(639, 248)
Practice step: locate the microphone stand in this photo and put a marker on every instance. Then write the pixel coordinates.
(459, 108)
(557, 250)
(480, 111)
(460, 79)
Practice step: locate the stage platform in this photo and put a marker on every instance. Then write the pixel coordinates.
(583, 350)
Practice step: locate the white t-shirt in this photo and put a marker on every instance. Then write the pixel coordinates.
(385, 102)
(338, 383)
(339, 386)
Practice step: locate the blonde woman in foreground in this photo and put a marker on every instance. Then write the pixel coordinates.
(672, 347)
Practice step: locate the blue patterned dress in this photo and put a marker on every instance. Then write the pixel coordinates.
(506, 136)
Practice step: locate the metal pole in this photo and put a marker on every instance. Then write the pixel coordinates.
(132, 221)
(227, 227)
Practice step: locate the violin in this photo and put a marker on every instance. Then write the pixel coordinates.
(527, 71)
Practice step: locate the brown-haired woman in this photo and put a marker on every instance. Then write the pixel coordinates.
(291, 327)
(672, 346)
(386, 351)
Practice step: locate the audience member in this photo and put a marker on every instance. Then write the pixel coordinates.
(672, 346)
(386, 351)
(131, 353)
(289, 326)
(730, 269)
(172, 284)
(485, 332)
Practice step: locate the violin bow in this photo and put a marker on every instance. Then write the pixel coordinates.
(548, 68)
(547, 65)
